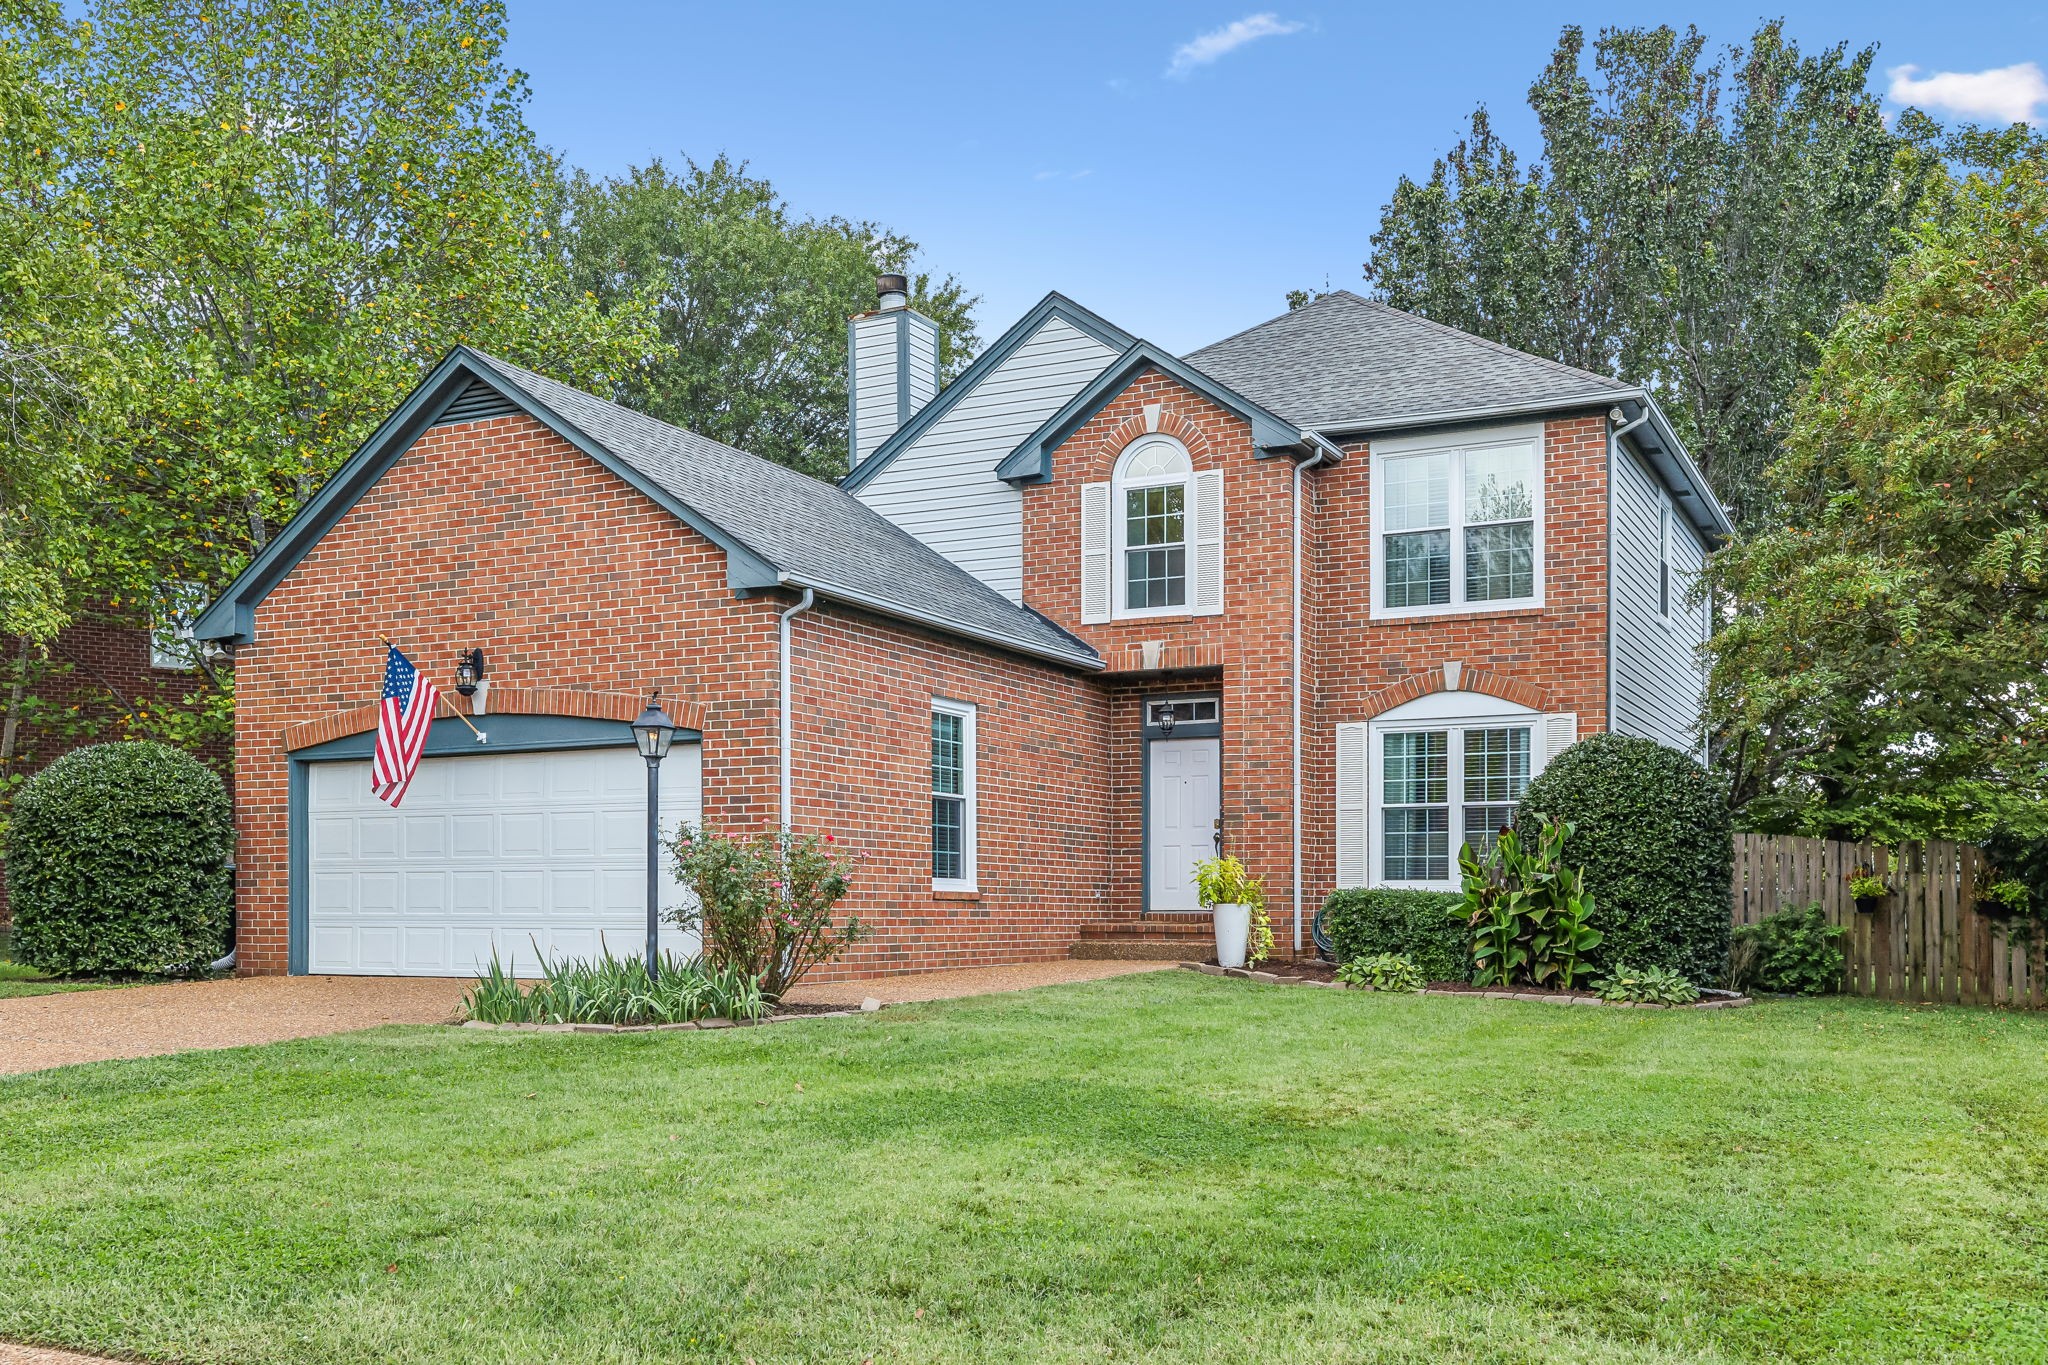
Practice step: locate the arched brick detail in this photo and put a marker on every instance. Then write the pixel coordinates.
(504, 701)
(1469, 679)
(1182, 428)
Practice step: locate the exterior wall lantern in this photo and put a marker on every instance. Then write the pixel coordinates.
(653, 732)
(469, 671)
(1163, 718)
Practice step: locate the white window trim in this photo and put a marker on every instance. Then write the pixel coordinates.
(1119, 530)
(1666, 586)
(1454, 444)
(1437, 717)
(969, 837)
(184, 600)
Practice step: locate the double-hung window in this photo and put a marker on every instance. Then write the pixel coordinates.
(1441, 787)
(1152, 505)
(1664, 557)
(953, 834)
(172, 615)
(1457, 522)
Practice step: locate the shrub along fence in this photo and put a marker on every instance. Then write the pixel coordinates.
(1924, 942)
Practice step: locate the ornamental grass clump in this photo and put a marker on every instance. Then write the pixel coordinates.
(764, 903)
(613, 990)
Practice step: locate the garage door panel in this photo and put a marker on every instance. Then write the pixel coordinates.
(514, 852)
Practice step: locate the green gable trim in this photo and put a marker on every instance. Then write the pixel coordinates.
(232, 616)
(1031, 461)
(1053, 305)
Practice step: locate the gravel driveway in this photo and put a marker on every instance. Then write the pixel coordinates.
(142, 1021)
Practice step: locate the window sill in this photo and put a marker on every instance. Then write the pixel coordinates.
(1483, 612)
(955, 894)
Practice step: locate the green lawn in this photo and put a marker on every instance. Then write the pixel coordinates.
(1159, 1168)
(17, 980)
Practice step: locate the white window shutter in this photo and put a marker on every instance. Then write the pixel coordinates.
(1207, 543)
(1095, 556)
(1560, 732)
(1351, 793)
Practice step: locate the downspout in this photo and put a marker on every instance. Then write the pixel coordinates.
(803, 604)
(1614, 435)
(1321, 457)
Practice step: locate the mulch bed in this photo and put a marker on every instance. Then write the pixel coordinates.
(1310, 972)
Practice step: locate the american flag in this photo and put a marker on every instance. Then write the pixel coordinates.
(404, 716)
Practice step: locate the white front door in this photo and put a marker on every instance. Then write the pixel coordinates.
(1186, 798)
(512, 852)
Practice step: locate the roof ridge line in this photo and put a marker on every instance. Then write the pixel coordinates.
(1500, 346)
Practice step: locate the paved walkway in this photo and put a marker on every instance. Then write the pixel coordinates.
(146, 1021)
(11, 1354)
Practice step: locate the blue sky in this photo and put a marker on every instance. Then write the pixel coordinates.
(1177, 167)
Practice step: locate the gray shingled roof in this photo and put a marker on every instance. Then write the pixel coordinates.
(816, 535)
(1343, 362)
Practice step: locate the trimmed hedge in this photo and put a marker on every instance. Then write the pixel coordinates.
(1652, 831)
(1364, 922)
(117, 861)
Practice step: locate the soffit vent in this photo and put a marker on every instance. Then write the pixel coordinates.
(477, 402)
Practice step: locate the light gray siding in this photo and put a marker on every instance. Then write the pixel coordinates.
(895, 372)
(1658, 680)
(942, 487)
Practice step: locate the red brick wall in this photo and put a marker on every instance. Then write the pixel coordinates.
(501, 534)
(1552, 657)
(1246, 652)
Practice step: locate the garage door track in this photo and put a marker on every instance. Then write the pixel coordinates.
(142, 1021)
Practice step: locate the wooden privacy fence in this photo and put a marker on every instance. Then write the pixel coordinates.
(1924, 942)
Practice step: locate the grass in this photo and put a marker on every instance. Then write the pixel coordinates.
(18, 980)
(1167, 1167)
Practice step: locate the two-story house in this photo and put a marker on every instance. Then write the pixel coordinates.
(1325, 594)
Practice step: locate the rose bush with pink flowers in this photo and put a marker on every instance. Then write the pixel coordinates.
(765, 902)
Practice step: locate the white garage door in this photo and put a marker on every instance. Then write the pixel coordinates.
(515, 852)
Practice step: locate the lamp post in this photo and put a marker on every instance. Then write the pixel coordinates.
(653, 732)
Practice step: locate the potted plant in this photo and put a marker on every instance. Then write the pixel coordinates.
(2004, 897)
(1234, 898)
(1868, 887)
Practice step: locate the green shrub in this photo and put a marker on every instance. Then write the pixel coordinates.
(1648, 986)
(1527, 910)
(117, 861)
(614, 990)
(1363, 922)
(1382, 972)
(764, 902)
(1796, 951)
(1650, 828)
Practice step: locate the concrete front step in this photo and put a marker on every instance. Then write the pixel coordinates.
(1159, 928)
(1141, 950)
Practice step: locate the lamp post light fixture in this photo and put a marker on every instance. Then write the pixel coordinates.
(653, 732)
(469, 671)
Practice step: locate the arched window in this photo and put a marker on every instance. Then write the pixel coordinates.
(1149, 501)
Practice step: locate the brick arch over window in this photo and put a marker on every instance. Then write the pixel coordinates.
(506, 701)
(1456, 677)
(1155, 419)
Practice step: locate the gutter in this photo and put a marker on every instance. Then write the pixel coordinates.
(946, 626)
(1324, 452)
(1616, 429)
(803, 604)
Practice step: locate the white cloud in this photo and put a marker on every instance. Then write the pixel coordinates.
(2005, 94)
(1221, 42)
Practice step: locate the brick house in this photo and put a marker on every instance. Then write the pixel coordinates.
(1325, 595)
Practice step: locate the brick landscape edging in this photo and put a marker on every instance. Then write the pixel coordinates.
(1490, 993)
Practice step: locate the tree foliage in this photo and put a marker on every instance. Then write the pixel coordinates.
(1694, 222)
(753, 302)
(1881, 672)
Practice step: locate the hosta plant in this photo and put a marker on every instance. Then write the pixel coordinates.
(1648, 986)
(1382, 972)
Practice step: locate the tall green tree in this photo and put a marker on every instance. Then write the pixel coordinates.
(753, 301)
(1695, 221)
(305, 202)
(1882, 669)
(59, 370)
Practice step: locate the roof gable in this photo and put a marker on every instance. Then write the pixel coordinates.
(1053, 305)
(1031, 461)
(777, 527)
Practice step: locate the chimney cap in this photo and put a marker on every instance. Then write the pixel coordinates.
(893, 291)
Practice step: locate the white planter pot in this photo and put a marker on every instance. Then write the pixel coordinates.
(1233, 932)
